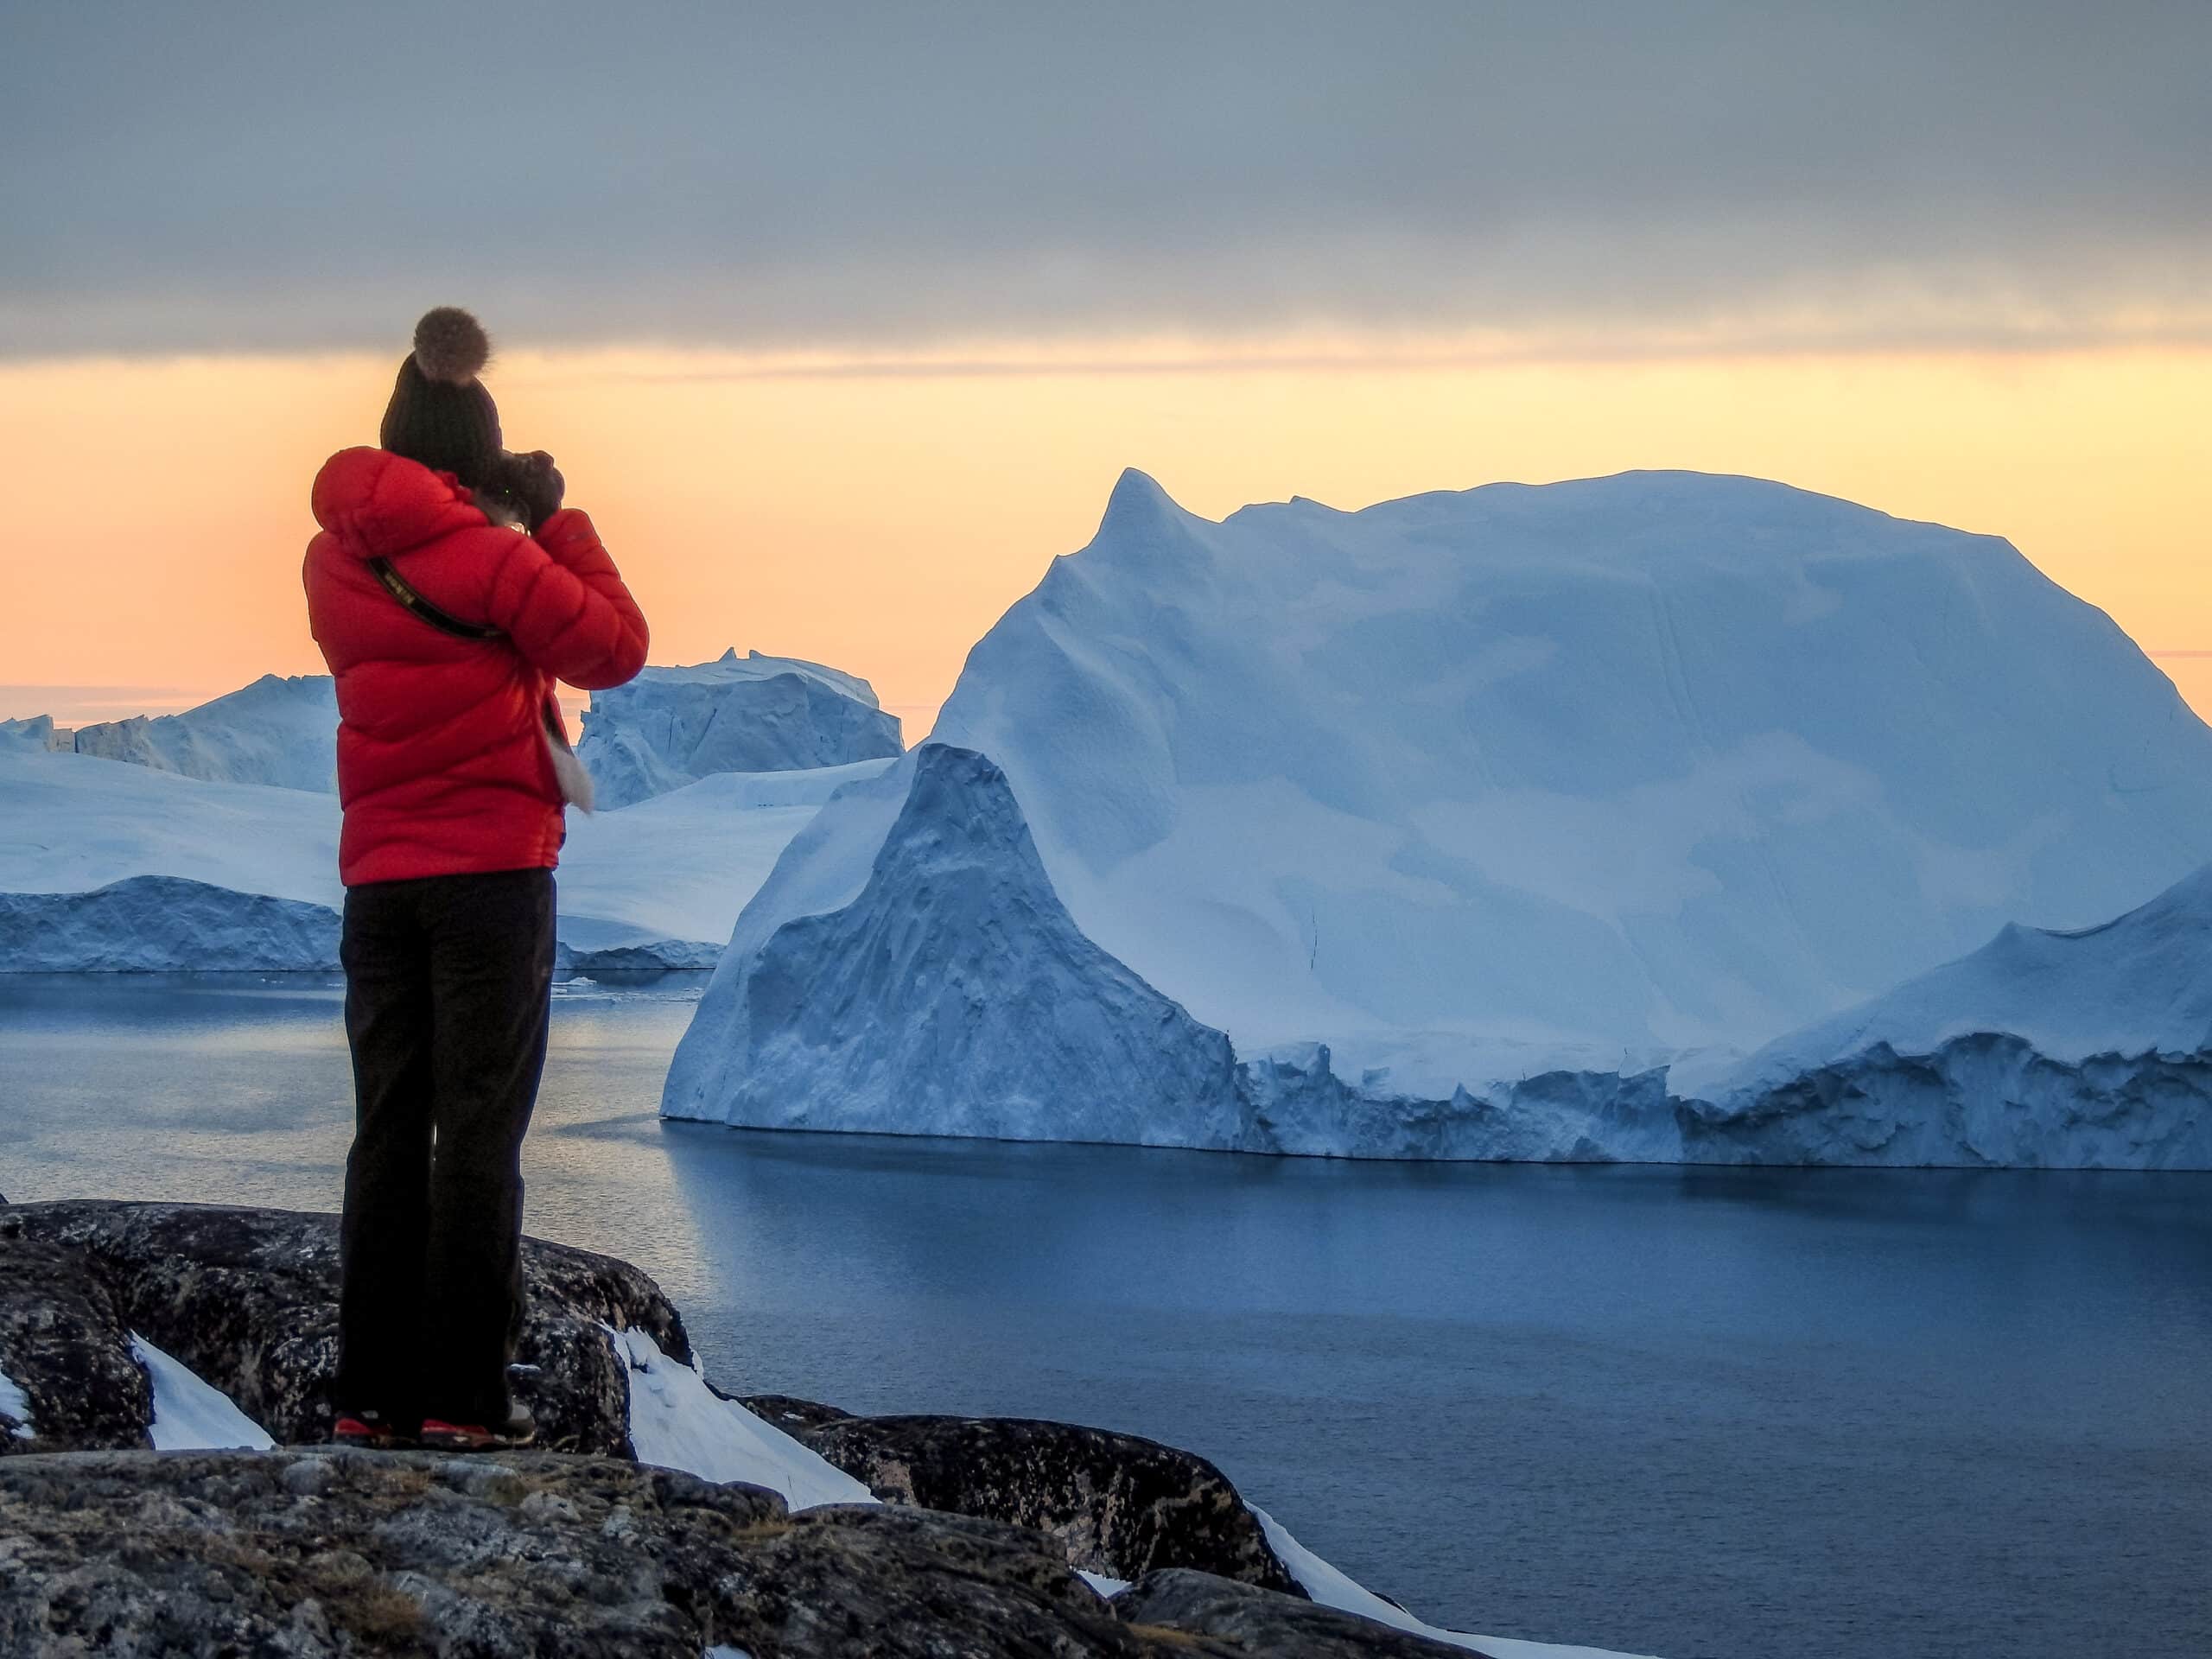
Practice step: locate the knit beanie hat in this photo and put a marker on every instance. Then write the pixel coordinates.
(440, 413)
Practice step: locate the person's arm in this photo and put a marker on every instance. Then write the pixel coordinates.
(557, 595)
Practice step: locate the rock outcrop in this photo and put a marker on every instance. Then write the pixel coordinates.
(248, 1299)
(321, 1552)
(1119, 1504)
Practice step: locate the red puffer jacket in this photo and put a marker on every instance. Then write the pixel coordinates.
(443, 765)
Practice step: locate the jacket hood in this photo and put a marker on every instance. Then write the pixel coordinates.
(379, 504)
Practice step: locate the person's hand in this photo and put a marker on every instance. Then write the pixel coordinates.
(538, 486)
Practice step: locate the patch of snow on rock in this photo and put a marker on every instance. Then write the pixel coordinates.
(1334, 1588)
(191, 1415)
(677, 1422)
(14, 1403)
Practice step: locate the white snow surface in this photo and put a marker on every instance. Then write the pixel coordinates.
(14, 1403)
(683, 865)
(191, 1415)
(1460, 816)
(278, 731)
(69, 823)
(747, 714)
(677, 1422)
(1332, 1588)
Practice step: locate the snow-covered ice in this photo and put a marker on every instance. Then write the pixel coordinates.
(34, 734)
(977, 1023)
(753, 713)
(14, 1404)
(680, 868)
(191, 1415)
(155, 923)
(1461, 817)
(69, 823)
(683, 865)
(677, 1422)
(2060, 1049)
(275, 731)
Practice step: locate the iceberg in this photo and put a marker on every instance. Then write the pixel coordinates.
(1461, 819)
(163, 924)
(672, 726)
(277, 731)
(989, 1014)
(36, 734)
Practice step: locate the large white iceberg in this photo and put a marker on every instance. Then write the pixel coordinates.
(672, 726)
(1462, 816)
(278, 731)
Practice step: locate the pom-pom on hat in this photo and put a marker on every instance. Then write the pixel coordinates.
(451, 345)
(440, 413)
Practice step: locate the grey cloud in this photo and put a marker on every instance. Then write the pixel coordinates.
(272, 177)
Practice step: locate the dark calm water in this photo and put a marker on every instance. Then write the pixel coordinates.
(1683, 1412)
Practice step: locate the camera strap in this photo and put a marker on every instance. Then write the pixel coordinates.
(398, 587)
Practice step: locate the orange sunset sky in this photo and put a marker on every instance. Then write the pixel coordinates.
(842, 321)
(879, 518)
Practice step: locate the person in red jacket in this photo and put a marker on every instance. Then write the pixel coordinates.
(448, 590)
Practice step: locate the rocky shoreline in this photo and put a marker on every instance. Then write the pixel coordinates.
(986, 1537)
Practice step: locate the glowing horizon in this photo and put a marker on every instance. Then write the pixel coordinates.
(879, 513)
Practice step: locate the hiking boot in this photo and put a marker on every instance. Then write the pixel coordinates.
(520, 1428)
(372, 1429)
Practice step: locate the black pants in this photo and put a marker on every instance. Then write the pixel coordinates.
(448, 987)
